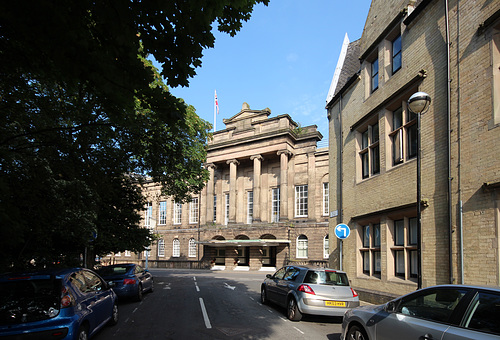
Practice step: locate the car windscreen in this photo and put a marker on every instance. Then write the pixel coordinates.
(26, 300)
(326, 277)
(115, 270)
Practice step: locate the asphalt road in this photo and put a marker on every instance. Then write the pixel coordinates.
(201, 304)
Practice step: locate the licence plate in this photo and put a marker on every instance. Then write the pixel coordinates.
(335, 303)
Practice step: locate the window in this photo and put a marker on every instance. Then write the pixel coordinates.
(302, 247)
(215, 208)
(485, 313)
(192, 248)
(370, 250)
(176, 248)
(326, 247)
(404, 133)
(396, 54)
(370, 151)
(326, 199)
(161, 248)
(193, 210)
(177, 213)
(374, 75)
(162, 214)
(404, 247)
(127, 253)
(275, 213)
(148, 215)
(432, 304)
(249, 207)
(301, 201)
(226, 209)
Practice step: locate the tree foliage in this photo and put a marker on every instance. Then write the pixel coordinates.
(85, 116)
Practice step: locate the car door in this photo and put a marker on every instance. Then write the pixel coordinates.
(144, 277)
(425, 314)
(481, 320)
(285, 284)
(101, 299)
(272, 285)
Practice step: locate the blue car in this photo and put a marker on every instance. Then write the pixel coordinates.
(69, 304)
(130, 280)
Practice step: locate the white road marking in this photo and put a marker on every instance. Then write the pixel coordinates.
(135, 310)
(197, 288)
(298, 330)
(205, 315)
(194, 278)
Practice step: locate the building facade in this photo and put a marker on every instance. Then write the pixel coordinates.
(450, 50)
(265, 204)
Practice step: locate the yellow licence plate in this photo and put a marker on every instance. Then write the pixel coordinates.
(335, 303)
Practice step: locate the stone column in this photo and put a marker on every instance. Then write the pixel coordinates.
(233, 163)
(284, 154)
(210, 193)
(257, 163)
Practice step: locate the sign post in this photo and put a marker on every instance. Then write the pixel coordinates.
(342, 231)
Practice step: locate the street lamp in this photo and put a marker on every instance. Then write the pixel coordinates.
(419, 104)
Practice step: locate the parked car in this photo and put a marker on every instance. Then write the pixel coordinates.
(440, 312)
(57, 304)
(309, 290)
(130, 280)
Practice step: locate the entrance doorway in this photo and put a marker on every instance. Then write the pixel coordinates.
(268, 256)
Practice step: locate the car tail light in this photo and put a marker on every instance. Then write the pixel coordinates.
(129, 282)
(66, 299)
(354, 294)
(306, 289)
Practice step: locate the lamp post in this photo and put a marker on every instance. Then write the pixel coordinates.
(419, 104)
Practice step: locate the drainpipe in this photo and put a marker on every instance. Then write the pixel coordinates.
(340, 172)
(448, 109)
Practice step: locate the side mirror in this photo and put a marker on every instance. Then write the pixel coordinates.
(390, 307)
(269, 276)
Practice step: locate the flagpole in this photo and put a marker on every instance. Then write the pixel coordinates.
(215, 109)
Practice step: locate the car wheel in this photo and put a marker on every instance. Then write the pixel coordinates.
(138, 297)
(114, 316)
(82, 333)
(356, 333)
(292, 311)
(263, 296)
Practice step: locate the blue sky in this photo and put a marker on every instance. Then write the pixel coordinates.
(283, 58)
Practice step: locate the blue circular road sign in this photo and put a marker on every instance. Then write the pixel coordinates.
(342, 231)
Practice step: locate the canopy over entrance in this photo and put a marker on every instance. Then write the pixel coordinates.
(244, 243)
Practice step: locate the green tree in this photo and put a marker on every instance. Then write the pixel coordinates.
(85, 118)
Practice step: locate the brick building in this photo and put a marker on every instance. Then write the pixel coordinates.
(450, 50)
(265, 204)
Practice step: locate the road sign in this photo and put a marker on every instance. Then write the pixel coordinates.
(342, 231)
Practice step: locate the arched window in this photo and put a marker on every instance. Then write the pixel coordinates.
(161, 248)
(176, 252)
(192, 247)
(302, 247)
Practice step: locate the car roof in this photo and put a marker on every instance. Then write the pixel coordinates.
(41, 273)
(469, 286)
(313, 267)
(120, 265)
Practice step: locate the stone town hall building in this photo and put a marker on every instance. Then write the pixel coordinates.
(266, 202)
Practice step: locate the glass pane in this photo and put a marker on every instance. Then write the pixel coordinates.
(366, 236)
(365, 165)
(376, 262)
(397, 148)
(412, 141)
(376, 235)
(366, 262)
(375, 159)
(399, 262)
(413, 263)
(485, 313)
(399, 233)
(375, 133)
(413, 231)
(364, 140)
(397, 119)
(374, 75)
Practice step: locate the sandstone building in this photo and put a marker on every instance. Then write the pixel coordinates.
(265, 204)
(451, 51)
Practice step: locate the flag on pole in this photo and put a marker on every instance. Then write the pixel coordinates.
(216, 103)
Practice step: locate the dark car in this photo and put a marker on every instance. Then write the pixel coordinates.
(130, 280)
(443, 312)
(67, 304)
(309, 290)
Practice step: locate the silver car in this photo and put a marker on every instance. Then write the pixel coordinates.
(309, 290)
(440, 312)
